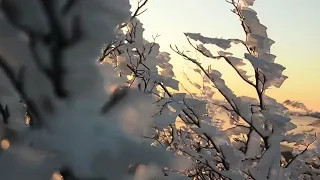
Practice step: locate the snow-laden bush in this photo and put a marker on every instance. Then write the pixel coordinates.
(187, 124)
(66, 110)
(75, 126)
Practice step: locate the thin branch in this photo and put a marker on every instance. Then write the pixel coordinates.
(140, 6)
(136, 13)
(229, 100)
(17, 82)
(305, 150)
(225, 58)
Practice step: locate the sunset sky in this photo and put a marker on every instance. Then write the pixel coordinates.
(293, 24)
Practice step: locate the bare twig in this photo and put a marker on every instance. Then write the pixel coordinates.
(305, 150)
(141, 4)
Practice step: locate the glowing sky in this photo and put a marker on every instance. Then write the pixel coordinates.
(293, 24)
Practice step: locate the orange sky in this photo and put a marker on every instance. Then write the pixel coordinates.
(296, 33)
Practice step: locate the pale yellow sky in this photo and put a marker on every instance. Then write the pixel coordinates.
(294, 27)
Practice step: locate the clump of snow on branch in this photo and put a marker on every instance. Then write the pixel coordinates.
(265, 121)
